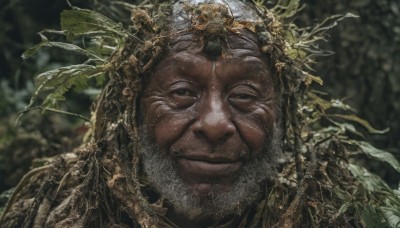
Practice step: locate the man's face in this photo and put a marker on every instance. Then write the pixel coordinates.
(211, 118)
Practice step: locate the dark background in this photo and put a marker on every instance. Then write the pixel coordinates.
(364, 71)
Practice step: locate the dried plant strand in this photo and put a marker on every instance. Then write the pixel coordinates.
(24, 181)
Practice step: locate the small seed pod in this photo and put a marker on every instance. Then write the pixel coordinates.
(264, 37)
(213, 46)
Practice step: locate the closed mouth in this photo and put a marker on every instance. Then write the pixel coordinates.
(209, 167)
(209, 159)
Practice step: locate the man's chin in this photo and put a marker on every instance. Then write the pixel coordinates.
(212, 201)
(206, 190)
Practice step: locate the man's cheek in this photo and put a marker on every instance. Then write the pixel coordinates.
(167, 126)
(254, 133)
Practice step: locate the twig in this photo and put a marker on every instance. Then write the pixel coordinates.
(62, 182)
(291, 214)
(20, 114)
(19, 187)
(297, 139)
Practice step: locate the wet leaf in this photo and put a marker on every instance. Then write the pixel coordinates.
(370, 181)
(372, 218)
(339, 104)
(324, 104)
(66, 46)
(311, 78)
(392, 216)
(377, 154)
(363, 122)
(347, 127)
(61, 80)
(83, 21)
(385, 211)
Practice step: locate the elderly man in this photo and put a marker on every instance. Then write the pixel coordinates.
(209, 111)
(187, 132)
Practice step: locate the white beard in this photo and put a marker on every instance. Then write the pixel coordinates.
(246, 190)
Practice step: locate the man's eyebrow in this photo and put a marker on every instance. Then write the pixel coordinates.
(183, 63)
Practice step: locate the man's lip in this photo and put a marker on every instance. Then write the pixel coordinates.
(209, 159)
(208, 169)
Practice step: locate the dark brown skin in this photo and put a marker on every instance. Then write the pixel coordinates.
(211, 116)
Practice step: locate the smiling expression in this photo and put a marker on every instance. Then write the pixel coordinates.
(210, 116)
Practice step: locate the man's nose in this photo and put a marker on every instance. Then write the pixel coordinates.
(214, 121)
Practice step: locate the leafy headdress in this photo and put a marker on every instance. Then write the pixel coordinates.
(316, 184)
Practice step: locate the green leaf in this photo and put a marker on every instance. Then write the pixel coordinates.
(377, 154)
(309, 78)
(66, 46)
(363, 122)
(292, 7)
(324, 104)
(372, 218)
(83, 21)
(60, 80)
(392, 216)
(347, 127)
(384, 209)
(329, 23)
(339, 104)
(370, 181)
(286, 9)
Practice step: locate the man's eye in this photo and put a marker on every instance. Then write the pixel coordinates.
(182, 97)
(244, 97)
(242, 101)
(182, 92)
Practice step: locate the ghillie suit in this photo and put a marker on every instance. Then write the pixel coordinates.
(102, 182)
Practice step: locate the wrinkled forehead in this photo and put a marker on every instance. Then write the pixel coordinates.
(238, 43)
(240, 46)
(238, 9)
